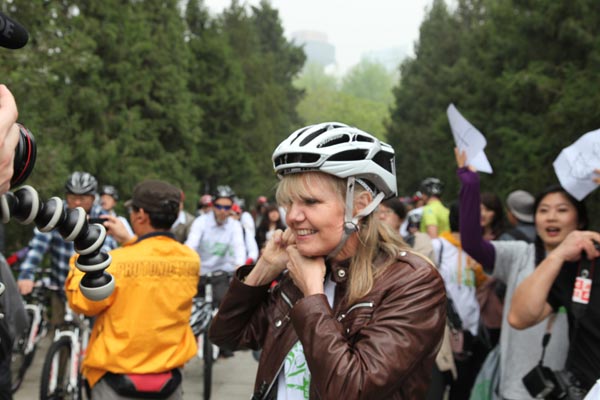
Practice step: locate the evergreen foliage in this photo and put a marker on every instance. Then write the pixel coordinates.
(361, 99)
(130, 90)
(522, 72)
(136, 89)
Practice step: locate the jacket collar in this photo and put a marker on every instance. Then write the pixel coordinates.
(156, 233)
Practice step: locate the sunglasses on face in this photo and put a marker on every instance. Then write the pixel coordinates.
(222, 207)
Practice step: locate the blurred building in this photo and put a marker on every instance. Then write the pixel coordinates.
(390, 58)
(316, 47)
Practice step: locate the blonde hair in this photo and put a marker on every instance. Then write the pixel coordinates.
(378, 243)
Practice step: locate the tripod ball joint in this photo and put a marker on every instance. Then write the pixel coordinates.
(25, 206)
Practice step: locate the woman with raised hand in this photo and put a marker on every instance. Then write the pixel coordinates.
(356, 315)
(511, 262)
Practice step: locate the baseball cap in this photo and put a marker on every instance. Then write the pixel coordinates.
(155, 196)
(520, 203)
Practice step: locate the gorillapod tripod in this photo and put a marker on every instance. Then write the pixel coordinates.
(25, 206)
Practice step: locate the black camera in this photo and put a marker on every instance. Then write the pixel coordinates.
(543, 383)
(25, 154)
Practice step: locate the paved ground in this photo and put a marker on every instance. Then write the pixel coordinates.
(233, 378)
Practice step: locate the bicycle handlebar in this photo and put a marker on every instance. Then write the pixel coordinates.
(210, 277)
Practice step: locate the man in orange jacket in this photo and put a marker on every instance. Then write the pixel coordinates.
(142, 330)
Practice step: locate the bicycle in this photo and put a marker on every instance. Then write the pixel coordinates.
(25, 345)
(203, 310)
(61, 373)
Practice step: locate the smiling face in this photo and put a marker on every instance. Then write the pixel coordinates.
(555, 218)
(315, 212)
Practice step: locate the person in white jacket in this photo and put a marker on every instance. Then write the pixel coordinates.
(218, 239)
(247, 222)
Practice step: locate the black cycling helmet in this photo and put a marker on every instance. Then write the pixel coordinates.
(223, 191)
(432, 186)
(111, 191)
(81, 183)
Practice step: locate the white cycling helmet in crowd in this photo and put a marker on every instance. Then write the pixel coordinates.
(345, 152)
(223, 191)
(432, 186)
(81, 183)
(111, 191)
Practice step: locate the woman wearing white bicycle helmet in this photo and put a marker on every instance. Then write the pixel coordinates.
(354, 314)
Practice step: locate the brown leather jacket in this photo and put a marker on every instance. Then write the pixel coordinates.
(381, 347)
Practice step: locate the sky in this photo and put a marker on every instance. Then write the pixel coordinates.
(354, 27)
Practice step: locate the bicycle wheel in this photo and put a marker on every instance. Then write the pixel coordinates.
(20, 360)
(56, 371)
(208, 364)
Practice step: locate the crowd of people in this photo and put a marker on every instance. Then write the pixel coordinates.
(347, 289)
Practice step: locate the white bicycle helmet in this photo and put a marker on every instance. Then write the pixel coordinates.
(432, 186)
(111, 191)
(223, 191)
(81, 183)
(339, 150)
(345, 152)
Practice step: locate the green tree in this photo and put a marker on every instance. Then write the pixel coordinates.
(418, 129)
(271, 63)
(323, 101)
(148, 126)
(521, 72)
(313, 77)
(369, 80)
(217, 86)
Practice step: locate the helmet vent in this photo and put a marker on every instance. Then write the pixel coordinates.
(385, 160)
(361, 138)
(299, 133)
(313, 135)
(349, 155)
(292, 158)
(334, 141)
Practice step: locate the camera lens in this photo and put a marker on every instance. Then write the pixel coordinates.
(25, 154)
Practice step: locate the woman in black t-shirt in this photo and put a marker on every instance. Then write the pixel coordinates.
(567, 277)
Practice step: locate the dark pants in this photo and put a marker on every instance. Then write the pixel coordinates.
(220, 285)
(467, 370)
(5, 379)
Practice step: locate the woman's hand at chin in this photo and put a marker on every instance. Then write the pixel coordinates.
(308, 273)
(273, 259)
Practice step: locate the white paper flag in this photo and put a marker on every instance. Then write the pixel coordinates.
(594, 394)
(575, 165)
(467, 138)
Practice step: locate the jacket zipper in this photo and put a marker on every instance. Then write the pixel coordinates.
(266, 393)
(264, 396)
(286, 299)
(369, 304)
